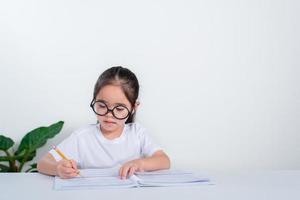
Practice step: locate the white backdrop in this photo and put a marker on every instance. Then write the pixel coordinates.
(219, 79)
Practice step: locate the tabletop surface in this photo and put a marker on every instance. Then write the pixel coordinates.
(283, 184)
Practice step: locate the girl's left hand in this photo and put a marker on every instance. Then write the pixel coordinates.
(129, 168)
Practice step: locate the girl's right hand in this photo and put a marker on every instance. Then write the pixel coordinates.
(67, 169)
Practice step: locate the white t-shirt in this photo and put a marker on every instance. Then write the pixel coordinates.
(90, 149)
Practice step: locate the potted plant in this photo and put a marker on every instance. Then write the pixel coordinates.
(26, 151)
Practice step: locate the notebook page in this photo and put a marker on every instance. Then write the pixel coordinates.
(170, 178)
(164, 172)
(99, 172)
(94, 179)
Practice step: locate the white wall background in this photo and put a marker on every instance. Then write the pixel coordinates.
(219, 79)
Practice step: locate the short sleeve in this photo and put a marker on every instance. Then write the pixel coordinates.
(148, 145)
(68, 147)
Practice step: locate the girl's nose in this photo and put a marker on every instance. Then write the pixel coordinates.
(109, 114)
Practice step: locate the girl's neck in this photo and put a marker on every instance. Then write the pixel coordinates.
(110, 135)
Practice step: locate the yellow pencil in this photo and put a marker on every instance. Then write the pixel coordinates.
(62, 155)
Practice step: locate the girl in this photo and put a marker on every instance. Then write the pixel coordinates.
(115, 140)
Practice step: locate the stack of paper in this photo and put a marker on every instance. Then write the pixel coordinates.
(109, 178)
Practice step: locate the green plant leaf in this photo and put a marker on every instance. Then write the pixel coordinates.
(29, 156)
(37, 138)
(5, 143)
(33, 165)
(32, 168)
(4, 168)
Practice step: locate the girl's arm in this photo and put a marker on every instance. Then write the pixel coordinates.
(63, 168)
(159, 160)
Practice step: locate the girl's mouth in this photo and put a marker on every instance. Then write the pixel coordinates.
(109, 122)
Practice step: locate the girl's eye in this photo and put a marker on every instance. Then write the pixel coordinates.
(101, 106)
(120, 108)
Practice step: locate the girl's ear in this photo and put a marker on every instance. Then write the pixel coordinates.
(136, 105)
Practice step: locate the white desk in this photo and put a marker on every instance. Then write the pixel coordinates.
(256, 185)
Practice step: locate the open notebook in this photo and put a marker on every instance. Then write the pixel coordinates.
(109, 178)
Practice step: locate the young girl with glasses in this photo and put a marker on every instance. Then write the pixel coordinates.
(116, 140)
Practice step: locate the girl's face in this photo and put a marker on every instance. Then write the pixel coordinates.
(112, 96)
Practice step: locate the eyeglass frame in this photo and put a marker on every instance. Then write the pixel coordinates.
(108, 109)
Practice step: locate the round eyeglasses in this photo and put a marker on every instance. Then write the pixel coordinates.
(119, 112)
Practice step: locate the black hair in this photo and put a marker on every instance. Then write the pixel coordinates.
(123, 77)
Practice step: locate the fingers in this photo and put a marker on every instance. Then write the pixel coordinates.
(67, 164)
(132, 170)
(74, 164)
(70, 164)
(124, 171)
(67, 176)
(67, 173)
(67, 169)
(127, 170)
